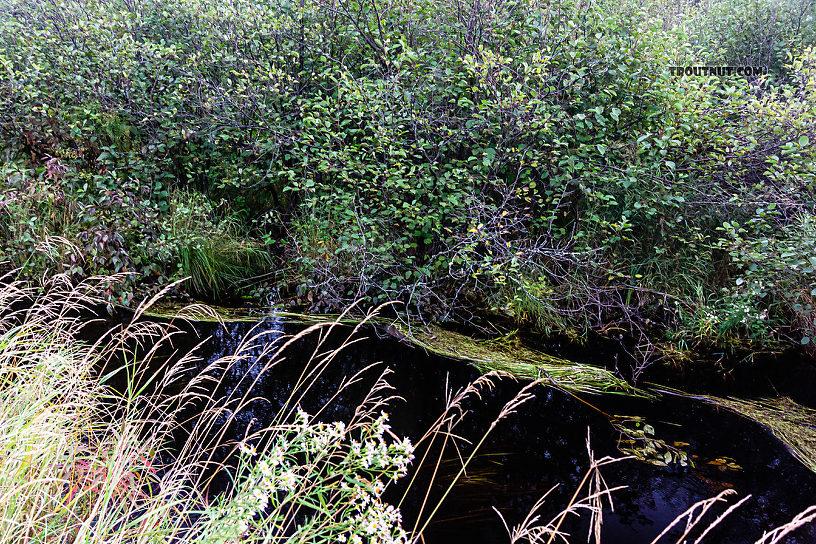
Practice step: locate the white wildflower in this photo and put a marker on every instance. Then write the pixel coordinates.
(288, 480)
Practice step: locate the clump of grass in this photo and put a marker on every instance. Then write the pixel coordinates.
(81, 462)
(69, 470)
(219, 263)
(210, 248)
(531, 300)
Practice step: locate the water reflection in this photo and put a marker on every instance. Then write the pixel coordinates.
(541, 446)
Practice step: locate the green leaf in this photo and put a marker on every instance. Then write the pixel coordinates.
(803, 140)
(490, 154)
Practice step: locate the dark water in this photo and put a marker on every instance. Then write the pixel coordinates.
(540, 446)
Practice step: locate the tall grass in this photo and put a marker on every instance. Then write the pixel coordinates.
(82, 462)
(219, 263)
(77, 461)
(211, 248)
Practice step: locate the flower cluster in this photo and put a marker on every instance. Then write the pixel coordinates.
(378, 523)
(372, 451)
(310, 463)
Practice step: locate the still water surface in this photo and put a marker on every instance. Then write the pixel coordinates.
(540, 446)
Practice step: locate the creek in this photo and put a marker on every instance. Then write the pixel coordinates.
(542, 445)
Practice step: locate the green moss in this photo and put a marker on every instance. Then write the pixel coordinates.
(198, 312)
(213, 313)
(792, 424)
(521, 362)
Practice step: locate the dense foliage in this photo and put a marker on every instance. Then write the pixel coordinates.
(529, 158)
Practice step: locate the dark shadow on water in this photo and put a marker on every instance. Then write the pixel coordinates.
(540, 446)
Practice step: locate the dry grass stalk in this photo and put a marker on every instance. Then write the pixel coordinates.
(533, 531)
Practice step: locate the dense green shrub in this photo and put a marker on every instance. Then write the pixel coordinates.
(531, 158)
(752, 33)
